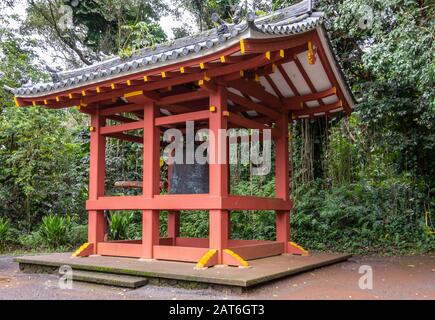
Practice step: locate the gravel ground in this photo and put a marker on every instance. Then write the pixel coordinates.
(393, 278)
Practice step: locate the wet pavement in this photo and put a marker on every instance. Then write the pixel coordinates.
(410, 277)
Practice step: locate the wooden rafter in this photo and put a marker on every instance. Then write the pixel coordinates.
(329, 72)
(248, 104)
(255, 90)
(322, 109)
(293, 103)
(306, 77)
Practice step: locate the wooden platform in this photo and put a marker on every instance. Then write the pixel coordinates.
(182, 273)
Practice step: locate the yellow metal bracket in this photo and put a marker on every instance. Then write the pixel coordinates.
(82, 248)
(238, 258)
(206, 259)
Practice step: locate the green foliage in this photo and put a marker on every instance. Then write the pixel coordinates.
(5, 230)
(362, 217)
(121, 225)
(141, 35)
(54, 230)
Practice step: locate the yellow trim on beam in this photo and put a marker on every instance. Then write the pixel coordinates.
(268, 55)
(205, 258)
(206, 77)
(91, 129)
(242, 46)
(223, 59)
(83, 93)
(282, 53)
(163, 74)
(242, 73)
(17, 104)
(98, 90)
(132, 94)
(202, 66)
(237, 257)
(45, 102)
(70, 95)
(82, 104)
(34, 103)
(212, 109)
(113, 86)
(145, 78)
(57, 99)
(128, 83)
(200, 83)
(225, 113)
(181, 69)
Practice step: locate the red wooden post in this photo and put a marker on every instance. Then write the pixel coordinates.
(151, 179)
(282, 181)
(173, 225)
(173, 216)
(218, 219)
(97, 171)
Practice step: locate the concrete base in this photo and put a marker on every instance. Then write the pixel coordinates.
(182, 273)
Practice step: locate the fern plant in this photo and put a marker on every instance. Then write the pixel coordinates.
(54, 230)
(121, 225)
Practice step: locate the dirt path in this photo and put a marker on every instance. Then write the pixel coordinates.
(393, 278)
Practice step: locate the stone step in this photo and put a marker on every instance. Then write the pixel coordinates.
(110, 279)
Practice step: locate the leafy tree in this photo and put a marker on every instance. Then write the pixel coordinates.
(43, 159)
(87, 30)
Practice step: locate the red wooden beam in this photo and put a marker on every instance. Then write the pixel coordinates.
(271, 44)
(119, 118)
(314, 110)
(248, 104)
(184, 97)
(258, 61)
(121, 109)
(122, 127)
(293, 103)
(191, 116)
(147, 86)
(250, 124)
(255, 90)
(126, 137)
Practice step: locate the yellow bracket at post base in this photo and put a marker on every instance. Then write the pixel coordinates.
(83, 247)
(298, 247)
(243, 262)
(205, 259)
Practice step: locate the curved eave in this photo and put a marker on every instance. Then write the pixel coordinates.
(323, 81)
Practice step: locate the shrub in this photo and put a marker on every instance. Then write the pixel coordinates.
(54, 230)
(121, 225)
(78, 234)
(5, 230)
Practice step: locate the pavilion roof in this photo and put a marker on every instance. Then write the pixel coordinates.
(291, 21)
